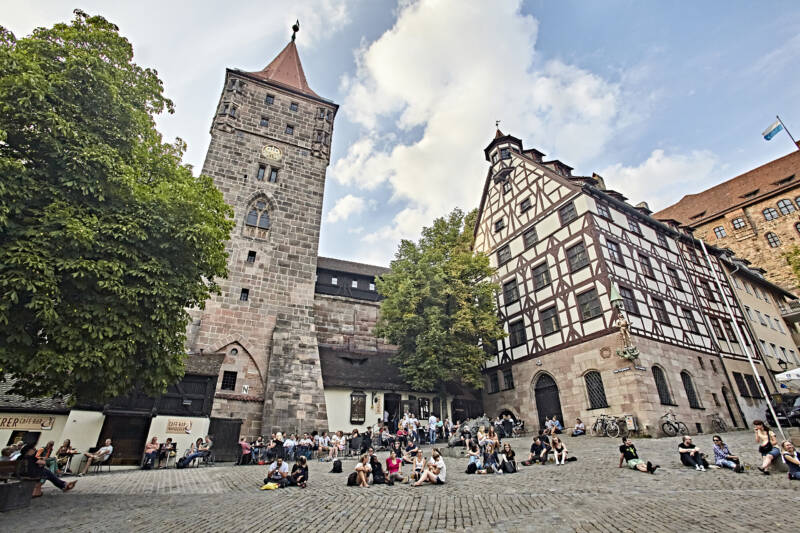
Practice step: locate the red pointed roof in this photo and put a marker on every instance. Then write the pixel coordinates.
(498, 134)
(286, 70)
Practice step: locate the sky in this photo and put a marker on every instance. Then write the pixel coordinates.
(662, 99)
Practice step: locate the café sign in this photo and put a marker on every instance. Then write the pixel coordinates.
(36, 422)
(177, 425)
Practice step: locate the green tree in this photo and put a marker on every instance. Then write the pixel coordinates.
(105, 237)
(439, 305)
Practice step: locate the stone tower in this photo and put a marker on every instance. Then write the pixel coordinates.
(269, 151)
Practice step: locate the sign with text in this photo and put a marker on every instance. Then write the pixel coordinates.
(177, 425)
(38, 422)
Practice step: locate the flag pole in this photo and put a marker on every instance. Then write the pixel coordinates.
(787, 132)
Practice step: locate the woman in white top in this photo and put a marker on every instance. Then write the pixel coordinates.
(335, 445)
(436, 473)
(418, 465)
(363, 469)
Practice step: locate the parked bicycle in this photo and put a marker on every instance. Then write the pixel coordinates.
(605, 425)
(718, 424)
(672, 426)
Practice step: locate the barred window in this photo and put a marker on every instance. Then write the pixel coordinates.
(289, 129)
(785, 206)
(634, 226)
(258, 216)
(228, 381)
(614, 252)
(773, 240)
(688, 386)
(589, 305)
(549, 318)
(690, 321)
(741, 385)
(516, 333)
(662, 240)
(293, 106)
(661, 311)
(755, 392)
(602, 210)
(494, 383)
(672, 274)
(647, 268)
(597, 393)
(244, 295)
(719, 231)
(530, 237)
(567, 213)
(577, 258)
(770, 213)
(629, 300)
(525, 205)
(508, 379)
(541, 276)
(661, 386)
(504, 255)
(510, 292)
(738, 223)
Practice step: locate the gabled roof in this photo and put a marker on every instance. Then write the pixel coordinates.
(286, 70)
(17, 403)
(747, 188)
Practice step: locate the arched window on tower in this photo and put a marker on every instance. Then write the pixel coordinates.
(689, 388)
(597, 393)
(257, 215)
(661, 386)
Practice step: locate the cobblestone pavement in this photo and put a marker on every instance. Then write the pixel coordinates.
(591, 494)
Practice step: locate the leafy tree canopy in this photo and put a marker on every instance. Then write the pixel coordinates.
(439, 305)
(105, 237)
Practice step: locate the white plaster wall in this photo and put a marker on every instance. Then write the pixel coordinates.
(46, 434)
(82, 429)
(158, 428)
(338, 404)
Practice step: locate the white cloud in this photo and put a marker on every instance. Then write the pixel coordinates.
(662, 179)
(344, 207)
(427, 93)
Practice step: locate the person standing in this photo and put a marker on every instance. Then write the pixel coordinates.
(432, 421)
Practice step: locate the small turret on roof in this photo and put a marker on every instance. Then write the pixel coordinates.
(500, 137)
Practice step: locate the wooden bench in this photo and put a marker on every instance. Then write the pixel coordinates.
(15, 490)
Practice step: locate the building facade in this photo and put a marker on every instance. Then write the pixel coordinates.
(755, 215)
(558, 242)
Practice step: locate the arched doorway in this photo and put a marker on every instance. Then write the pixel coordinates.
(548, 403)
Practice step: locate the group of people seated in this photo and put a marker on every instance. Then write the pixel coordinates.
(369, 469)
(156, 455)
(199, 449)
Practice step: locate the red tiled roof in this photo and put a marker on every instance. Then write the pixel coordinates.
(709, 204)
(286, 70)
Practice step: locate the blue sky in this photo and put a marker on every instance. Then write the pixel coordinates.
(661, 98)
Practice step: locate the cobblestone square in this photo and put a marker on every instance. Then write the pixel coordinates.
(591, 494)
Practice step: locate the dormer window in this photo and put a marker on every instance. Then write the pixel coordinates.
(505, 153)
(749, 194)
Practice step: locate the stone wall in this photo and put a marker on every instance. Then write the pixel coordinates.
(347, 321)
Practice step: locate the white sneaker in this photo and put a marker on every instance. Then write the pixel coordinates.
(702, 468)
(697, 467)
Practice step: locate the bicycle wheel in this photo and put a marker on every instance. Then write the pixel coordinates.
(669, 429)
(595, 429)
(682, 428)
(612, 429)
(623, 429)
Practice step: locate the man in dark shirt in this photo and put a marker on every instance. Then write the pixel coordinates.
(691, 455)
(629, 455)
(539, 451)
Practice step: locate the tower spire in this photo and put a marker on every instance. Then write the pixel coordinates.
(295, 29)
(286, 68)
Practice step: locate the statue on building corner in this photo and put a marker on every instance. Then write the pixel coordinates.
(628, 350)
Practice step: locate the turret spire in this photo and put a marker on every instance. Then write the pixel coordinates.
(286, 68)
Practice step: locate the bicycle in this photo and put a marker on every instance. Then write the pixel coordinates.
(605, 425)
(672, 426)
(718, 424)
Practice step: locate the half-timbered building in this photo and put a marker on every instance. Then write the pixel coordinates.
(558, 242)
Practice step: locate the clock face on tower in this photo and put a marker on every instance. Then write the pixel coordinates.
(272, 152)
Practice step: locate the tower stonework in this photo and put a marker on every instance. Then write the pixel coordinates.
(269, 151)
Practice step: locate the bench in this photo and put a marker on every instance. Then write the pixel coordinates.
(16, 490)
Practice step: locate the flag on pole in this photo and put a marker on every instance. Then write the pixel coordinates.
(773, 130)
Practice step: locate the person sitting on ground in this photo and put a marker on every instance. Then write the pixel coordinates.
(545, 436)
(150, 453)
(410, 451)
(491, 463)
(46, 454)
(475, 457)
(481, 437)
(99, 456)
(363, 469)
(691, 455)
(35, 468)
(580, 428)
(554, 426)
(465, 435)
(723, 457)
(393, 465)
(791, 458)
(247, 451)
(417, 465)
(436, 473)
(64, 454)
(629, 455)
(508, 464)
(378, 475)
(299, 476)
(559, 450)
(767, 445)
(539, 451)
(278, 472)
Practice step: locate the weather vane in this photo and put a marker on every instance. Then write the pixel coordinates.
(295, 29)
(497, 124)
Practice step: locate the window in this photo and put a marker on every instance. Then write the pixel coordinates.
(589, 305)
(672, 274)
(634, 226)
(770, 213)
(738, 223)
(707, 289)
(251, 256)
(549, 319)
(778, 325)
(764, 295)
(500, 224)
(372, 286)
(741, 385)
(785, 206)
(273, 175)
(525, 205)
(354, 284)
(244, 295)
(529, 237)
(690, 322)
(743, 332)
(329, 115)
(270, 99)
(262, 169)
(662, 240)
(494, 383)
(761, 318)
(713, 366)
(228, 381)
(717, 328)
(719, 231)
(258, 215)
(293, 106)
(647, 268)
(772, 240)
(688, 386)
(224, 110)
(334, 281)
(602, 210)
(264, 122)
(358, 407)
(321, 112)
(506, 186)
(749, 312)
(661, 386)
(595, 389)
(614, 252)
(510, 292)
(541, 276)
(504, 255)
(577, 258)
(629, 300)
(747, 288)
(661, 311)
(505, 153)
(508, 378)
(516, 333)
(755, 392)
(700, 361)
(567, 213)
(233, 111)
(289, 129)
(319, 136)
(494, 157)
(769, 320)
(797, 227)
(729, 330)
(736, 282)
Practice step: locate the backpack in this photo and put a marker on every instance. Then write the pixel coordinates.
(352, 479)
(472, 468)
(337, 467)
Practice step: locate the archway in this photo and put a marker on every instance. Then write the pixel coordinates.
(548, 403)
